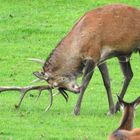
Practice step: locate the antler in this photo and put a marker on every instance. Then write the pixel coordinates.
(24, 90)
(37, 60)
(61, 91)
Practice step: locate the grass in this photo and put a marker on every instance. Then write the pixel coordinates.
(32, 29)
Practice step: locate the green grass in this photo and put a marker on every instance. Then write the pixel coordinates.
(32, 29)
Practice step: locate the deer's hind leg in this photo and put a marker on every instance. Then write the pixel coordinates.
(128, 75)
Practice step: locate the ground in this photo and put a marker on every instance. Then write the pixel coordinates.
(32, 29)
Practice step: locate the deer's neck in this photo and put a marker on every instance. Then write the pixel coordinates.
(64, 59)
(127, 120)
(69, 53)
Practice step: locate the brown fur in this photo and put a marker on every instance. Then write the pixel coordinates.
(125, 131)
(100, 34)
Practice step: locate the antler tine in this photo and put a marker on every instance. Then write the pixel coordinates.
(38, 95)
(6, 88)
(37, 60)
(36, 80)
(51, 100)
(65, 95)
(24, 90)
(62, 91)
(136, 101)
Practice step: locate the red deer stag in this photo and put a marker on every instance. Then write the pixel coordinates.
(103, 33)
(125, 131)
(109, 31)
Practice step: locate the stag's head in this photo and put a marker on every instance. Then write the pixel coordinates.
(58, 80)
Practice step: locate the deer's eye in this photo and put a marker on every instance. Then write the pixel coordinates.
(50, 80)
(63, 79)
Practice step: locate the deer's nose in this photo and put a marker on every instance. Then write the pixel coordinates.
(55, 84)
(76, 88)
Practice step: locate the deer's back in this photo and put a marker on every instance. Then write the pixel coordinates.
(120, 26)
(117, 26)
(107, 29)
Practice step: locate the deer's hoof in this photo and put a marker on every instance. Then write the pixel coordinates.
(16, 106)
(109, 113)
(76, 111)
(117, 107)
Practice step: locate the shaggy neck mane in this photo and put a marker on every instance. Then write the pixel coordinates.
(63, 60)
(49, 57)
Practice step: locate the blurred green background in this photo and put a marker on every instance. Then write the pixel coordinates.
(31, 29)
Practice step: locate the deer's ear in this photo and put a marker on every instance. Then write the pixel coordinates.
(121, 102)
(136, 102)
(41, 75)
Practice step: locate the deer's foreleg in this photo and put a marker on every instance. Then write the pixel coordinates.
(128, 74)
(105, 76)
(89, 68)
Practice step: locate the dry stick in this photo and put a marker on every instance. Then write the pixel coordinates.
(24, 90)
